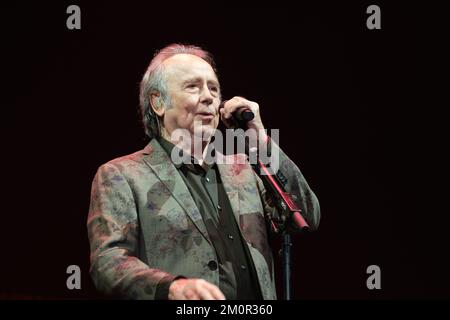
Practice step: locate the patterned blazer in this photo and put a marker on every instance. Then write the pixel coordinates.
(143, 223)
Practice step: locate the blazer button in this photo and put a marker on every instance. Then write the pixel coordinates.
(212, 265)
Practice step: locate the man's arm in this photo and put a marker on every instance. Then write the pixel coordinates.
(113, 234)
(296, 184)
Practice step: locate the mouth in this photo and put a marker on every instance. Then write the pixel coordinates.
(206, 115)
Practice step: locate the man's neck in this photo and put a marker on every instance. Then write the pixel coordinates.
(188, 145)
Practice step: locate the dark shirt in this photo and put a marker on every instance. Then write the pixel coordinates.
(237, 273)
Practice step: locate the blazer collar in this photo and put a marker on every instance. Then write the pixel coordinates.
(161, 164)
(233, 171)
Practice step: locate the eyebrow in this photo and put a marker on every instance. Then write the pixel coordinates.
(198, 79)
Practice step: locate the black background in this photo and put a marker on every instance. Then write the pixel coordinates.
(355, 108)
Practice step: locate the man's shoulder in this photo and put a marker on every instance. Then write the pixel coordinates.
(126, 162)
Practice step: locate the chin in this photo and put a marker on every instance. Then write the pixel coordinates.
(205, 131)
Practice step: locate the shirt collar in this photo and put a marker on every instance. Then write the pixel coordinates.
(192, 165)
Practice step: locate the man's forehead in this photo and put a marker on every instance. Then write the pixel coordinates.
(187, 63)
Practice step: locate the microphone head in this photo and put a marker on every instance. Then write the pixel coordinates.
(247, 115)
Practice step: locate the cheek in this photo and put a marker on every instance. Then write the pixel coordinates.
(216, 121)
(182, 112)
(185, 117)
(187, 105)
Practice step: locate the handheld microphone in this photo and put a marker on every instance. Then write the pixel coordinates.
(242, 115)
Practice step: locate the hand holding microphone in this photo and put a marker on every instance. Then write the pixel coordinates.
(240, 113)
(243, 114)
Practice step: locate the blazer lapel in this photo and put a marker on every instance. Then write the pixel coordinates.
(227, 175)
(159, 161)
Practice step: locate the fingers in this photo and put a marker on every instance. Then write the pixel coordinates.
(194, 289)
(190, 294)
(208, 291)
(227, 120)
(205, 294)
(234, 104)
(214, 291)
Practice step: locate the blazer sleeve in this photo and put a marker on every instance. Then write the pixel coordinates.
(295, 184)
(113, 232)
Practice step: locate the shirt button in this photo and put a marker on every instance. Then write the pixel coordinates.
(207, 179)
(243, 267)
(230, 237)
(219, 207)
(212, 265)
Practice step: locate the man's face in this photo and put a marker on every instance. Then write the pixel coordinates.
(194, 93)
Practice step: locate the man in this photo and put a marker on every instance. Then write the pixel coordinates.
(160, 229)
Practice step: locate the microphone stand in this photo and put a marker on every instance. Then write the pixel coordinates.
(290, 220)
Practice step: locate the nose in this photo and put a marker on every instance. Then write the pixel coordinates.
(206, 96)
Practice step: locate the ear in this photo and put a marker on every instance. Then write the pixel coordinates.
(156, 103)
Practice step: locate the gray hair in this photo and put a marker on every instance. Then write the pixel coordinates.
(154, 81)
